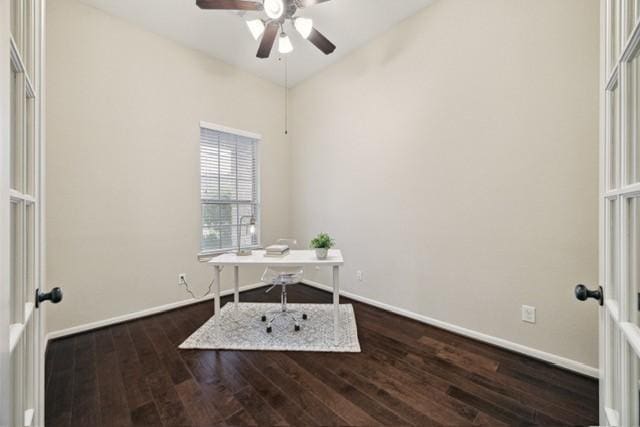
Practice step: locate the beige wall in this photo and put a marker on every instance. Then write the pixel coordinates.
(454, 159)
(123, 109)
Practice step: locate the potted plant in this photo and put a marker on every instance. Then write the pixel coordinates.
(322, 243)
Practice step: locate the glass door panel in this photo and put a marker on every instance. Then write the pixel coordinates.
(635, 390)
(16, 268)
(15, 136)
(30, 149)
(620, 205)
(632, 150)
(611, 249)
(633, 255)
(613, 138)
(23, 240)
(613, 33)
(30, 254)
(612, 398)
(27, 49)
(17, 384)
(16, 20)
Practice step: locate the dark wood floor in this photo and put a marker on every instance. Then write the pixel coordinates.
(407, 374)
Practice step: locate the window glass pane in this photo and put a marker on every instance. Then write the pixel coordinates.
(228, 165)
(220, 225)
(612, 270)
(209, 182)
(216, 220)
(229, 192)
(245, 212)
(613, 138)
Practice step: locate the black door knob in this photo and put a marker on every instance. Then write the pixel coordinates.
(583, 294)
(55, 296)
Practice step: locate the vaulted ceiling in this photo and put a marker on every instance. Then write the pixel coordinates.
(224, 35)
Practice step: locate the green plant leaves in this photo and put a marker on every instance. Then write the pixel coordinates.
(322, 241)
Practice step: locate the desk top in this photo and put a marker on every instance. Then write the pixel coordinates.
(292, 259)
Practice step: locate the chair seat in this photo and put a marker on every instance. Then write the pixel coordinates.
(282, 275)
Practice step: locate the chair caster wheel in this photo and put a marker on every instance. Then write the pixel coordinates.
(264, 318)
(296, 328)
(269, 329)
(304, 317)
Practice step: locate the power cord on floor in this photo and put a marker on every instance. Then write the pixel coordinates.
(183, 282)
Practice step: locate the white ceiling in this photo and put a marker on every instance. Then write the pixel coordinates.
(223, 34)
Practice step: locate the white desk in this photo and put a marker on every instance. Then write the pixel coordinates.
(305, 258)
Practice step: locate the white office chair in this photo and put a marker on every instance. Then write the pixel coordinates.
(283, 276)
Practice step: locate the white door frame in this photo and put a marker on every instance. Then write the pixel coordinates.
(41, 277)
(5, 402)
(21, 329)
(619, 335)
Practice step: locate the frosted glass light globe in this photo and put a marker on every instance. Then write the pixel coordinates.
(274, 8)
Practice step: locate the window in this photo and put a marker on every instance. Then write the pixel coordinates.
(229, 192)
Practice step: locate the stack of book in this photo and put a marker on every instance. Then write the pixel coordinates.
(276, 250)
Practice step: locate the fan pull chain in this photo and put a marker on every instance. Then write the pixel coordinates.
(286, 97)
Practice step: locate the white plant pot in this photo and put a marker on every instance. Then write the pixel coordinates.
(321, 253)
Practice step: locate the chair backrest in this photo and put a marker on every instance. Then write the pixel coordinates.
(292, 243)
(272, 274)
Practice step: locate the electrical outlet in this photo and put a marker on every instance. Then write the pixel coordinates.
(182, 278)
(359, 275)
(528, 314)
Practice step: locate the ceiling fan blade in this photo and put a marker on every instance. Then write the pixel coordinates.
(268, 39)
(307, 3)
(229, 4)
(321, 42)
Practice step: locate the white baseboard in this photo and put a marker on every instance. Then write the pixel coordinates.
(138, 314)
(560, 361)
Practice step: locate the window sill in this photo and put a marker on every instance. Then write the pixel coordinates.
(208, 255)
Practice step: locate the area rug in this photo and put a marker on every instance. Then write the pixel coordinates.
(246, 331)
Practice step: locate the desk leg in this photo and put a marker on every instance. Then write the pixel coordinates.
(216, 297)
(236, 288)
(336, 303)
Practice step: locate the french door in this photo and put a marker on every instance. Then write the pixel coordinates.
(620, 213)
(21, 358)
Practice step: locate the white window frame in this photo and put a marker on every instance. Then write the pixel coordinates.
(204, 255)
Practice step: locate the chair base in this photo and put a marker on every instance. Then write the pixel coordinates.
(294, 315)
(271, 315)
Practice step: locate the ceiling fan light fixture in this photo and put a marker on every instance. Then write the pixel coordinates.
(304, 26)
(256, 27)
(284, 44)
(274, 8)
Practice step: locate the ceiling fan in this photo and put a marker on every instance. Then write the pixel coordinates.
(278, 12)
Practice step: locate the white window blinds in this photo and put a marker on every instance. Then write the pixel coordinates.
(228, 189)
